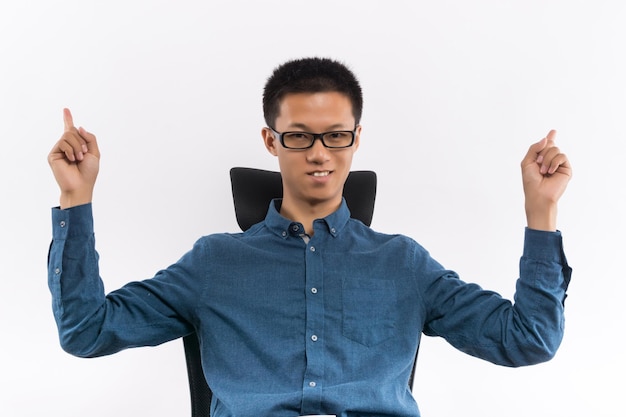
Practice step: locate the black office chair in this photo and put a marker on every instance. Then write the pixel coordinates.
(253, 189)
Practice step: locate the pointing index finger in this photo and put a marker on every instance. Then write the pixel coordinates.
(68, 121)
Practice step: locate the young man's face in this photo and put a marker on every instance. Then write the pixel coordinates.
(314, 176)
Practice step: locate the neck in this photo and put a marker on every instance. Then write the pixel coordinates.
(307, 212)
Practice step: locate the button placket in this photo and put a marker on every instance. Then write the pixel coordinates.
(314, 373)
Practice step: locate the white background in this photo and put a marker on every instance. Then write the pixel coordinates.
(455, 92)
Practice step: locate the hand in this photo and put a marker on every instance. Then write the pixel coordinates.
(75, 160)
(545, 174)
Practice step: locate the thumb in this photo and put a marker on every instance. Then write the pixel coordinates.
(90, 139)
(534, 151)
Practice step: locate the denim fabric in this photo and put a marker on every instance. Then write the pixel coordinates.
(289, 327)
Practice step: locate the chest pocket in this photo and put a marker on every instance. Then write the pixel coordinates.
(370, 310)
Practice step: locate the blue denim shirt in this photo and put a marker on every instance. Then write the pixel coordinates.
(289, 327)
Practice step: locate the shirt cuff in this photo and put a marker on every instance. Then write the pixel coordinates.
(74, 221)
(544, 246)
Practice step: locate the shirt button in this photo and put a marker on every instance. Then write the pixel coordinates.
(62, 224)
(284, 233)
(295, 227)
(57, 271)
(312, 384)
(333, 230)
(314, 338)
(312, 248)
(314, 290)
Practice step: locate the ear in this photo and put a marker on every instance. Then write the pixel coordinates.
(357, 138)
(269, 140)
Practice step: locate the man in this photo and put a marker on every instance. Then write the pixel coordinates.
(309, 311)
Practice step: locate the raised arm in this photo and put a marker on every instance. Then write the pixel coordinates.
(545, 174)
(90, 322)
(75, 160)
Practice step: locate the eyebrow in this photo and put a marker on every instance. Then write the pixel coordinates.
(336, 126)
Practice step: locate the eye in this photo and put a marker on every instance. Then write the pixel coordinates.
(299, 136)
(338, 137)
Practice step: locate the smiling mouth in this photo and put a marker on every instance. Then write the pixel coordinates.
(321, 173)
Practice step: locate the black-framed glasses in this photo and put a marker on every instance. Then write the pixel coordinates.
(336, 139)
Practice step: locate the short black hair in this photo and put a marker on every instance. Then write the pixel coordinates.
(310, 75)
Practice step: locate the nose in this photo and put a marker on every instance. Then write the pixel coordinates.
(318, 153)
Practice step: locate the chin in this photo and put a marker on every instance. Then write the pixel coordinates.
(319, 200)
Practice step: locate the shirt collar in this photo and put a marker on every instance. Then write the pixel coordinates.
(284, 227)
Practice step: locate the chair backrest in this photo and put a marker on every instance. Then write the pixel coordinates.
(253, 189)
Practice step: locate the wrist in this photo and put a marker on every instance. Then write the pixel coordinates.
(68, 200)
(540, 217)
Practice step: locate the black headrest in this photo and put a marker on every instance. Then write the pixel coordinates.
(253, 189)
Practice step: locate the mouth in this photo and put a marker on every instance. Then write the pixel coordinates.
(320, 173)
